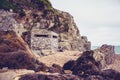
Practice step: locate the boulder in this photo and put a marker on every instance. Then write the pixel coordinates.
(84, 65)
(105, 54)
(87, 68)
(69, 65)
(109, 52)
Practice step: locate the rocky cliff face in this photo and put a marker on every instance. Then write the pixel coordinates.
(40, 14)
(26, 15)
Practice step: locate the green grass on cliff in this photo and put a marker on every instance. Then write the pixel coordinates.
(47, 3)
(18, 5)
(4, 4)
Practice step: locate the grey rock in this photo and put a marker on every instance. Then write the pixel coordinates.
(105, 54)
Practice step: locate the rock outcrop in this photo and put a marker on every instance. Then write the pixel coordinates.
(105, 54)
(116, 64)
(40, 14)
(87, 68)
(84, 68)
(84, 65)
(15, 53)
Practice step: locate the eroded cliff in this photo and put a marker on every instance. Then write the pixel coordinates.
(39, 14)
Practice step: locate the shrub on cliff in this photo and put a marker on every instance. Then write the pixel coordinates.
(4, 4)
(19, 5)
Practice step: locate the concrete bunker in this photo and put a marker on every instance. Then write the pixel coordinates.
(43, 40)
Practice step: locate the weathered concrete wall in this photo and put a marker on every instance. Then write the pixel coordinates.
(7, 21)
(43, 41)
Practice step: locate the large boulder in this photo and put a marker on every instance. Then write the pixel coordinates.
(84, 65)
(109, 52)
(69, 65)
(105, 54)
(87, 68)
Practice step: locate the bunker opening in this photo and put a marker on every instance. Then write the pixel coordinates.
(38, 35)
(55, 37)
